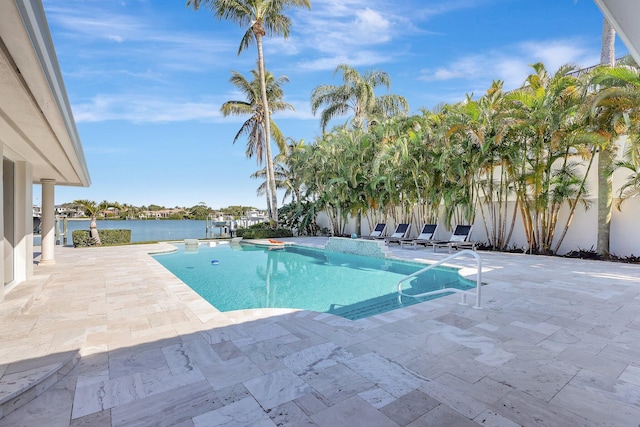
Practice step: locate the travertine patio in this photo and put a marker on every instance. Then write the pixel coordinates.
(118, 340)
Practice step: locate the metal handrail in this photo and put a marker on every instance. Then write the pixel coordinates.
(446, 290)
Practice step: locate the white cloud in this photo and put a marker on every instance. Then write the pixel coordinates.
(118, 39)
(87, 24)
(354, 59)
(136, 108)
(370, 21)
(443, 74)
(344, 31)
(140, 39)
(360, 32)
(511, 64)
(556, 53)
(144, 109)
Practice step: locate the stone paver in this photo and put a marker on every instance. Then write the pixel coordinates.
(557, 343)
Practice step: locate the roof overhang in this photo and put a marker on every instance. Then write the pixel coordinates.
(36, 122)
(624, 17)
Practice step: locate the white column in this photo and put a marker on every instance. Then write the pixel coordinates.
(23, 222)
(48, 221)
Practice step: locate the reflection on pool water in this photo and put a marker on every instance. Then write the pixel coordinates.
(236, 277)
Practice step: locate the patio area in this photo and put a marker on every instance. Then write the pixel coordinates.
(108, 337)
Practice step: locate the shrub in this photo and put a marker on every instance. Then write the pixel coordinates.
(263, 232)
(82, 238)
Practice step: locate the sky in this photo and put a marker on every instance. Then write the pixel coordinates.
(146, 78)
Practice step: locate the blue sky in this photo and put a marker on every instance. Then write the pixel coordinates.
(146, 78)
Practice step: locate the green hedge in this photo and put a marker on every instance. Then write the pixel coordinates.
(263, 233)
(82, 238)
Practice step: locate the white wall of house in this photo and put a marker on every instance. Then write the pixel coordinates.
(38, 137)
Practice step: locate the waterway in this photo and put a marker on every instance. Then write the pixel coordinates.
(145, 230)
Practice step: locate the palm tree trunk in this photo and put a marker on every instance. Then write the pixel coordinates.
(267, 192)
(605, 198)
(606, 156)
(93, 230)
(259, 32)
(573, 204)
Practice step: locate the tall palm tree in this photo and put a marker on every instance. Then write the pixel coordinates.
(262, 17)
(606, 156)
(356, 95)
(255, 126)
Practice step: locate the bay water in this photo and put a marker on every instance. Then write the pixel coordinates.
(144, 230)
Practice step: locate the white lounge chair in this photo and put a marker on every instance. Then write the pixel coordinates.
(377, 232)
(459, 239)
(401, 232)
(425, 237)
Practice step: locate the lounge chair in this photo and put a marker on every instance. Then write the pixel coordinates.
(402, 231)
(459, 239)
(424, 238)
(377, 232)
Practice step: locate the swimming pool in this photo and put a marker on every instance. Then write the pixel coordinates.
(236, 277)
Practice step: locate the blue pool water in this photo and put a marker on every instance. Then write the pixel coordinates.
(236, 277)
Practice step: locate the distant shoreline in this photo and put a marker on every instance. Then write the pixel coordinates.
(136, 219)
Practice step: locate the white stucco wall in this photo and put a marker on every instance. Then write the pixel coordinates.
(582, 233)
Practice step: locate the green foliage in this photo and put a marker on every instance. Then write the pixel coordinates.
(82, 238)
(263, 231)
(259, 226)
(236, 210)
(200, 211)
(92, 208)
(178, 216)
(357, 95)
(301, 216)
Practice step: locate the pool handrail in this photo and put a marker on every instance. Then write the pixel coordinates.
(446, 290)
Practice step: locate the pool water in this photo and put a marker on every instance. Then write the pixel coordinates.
(236, 277)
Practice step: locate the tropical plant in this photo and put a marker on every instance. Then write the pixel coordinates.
(301, 217)
(291, 169)
(549, 131)
(92, 209)
(630, 162)
(255, 127)
(356, 95)
(261, 17)
(525, 153)
(615, 108)
(487, 123)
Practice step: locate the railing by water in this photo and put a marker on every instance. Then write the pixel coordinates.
(447, 290)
